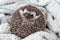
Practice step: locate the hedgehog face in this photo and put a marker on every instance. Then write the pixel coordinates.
(27, 20)
(29, 15)
(26, 14)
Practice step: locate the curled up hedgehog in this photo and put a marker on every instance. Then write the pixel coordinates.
(28, 19)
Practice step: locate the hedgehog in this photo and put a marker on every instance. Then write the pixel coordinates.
(26, 20)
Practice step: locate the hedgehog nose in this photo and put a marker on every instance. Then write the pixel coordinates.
(28, 15)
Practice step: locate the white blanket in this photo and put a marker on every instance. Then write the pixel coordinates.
(53, 13)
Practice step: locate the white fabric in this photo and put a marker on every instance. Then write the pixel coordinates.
(38, 2)
(9, 37)
(54, 25)
(41, 35)
(54, 10)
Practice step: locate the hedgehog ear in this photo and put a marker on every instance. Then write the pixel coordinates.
(20, 11)
(25, 10)
(43, 10)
